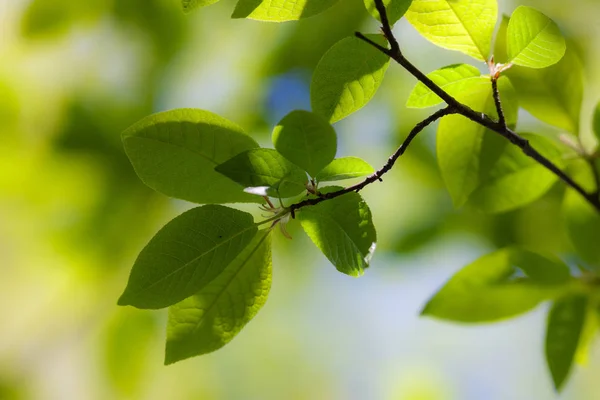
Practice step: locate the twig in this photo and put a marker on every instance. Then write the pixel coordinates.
(498, 102)
(383, 170)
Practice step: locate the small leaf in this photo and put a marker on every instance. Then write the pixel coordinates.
(187, 254)
(596, 122)
(343, 229)
(344, 168)
(211, 318)
(454, 79)
(265, 167)
(395, 9)
(487, 290)
(189, 5)
(565, 325)
(280, 10)
(175, 153)
(306, 139)
(533, 39)
(347, 77)
(463, 25)
(515, 179)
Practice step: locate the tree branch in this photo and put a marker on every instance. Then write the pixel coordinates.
(498, 102)
(383, 170)
(467, 112)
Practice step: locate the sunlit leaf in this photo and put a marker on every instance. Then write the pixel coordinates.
(343, 229)
(306, 139)
(533, 40)
(280, 10)
(175, 153)
(395, 9)
(497, 286)
(211, 318)
(565, 325)
(347, 77)
(265, 167)
(189, 5)
(454, 79)
(463, 25)
(344, 168)
(186, 254)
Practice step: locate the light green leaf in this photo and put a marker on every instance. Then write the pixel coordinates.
(347, 77)
(175, 153)
(533, 40)
(344, 168)
(467, 151)
(280, 10)
(265, 167)
(487, 290)
(565, 325)
(596, 122)
(343, 229)
(454, 79)
(515, 179)
(189, 5)
(395, 9)
(583, 221)
(186, 254)
(211, 318)
(306, 139)
(463, 25)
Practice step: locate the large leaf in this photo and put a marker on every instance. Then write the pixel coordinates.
(395, 9)
(533, 40)
(175, 153)
(347, 77)
(343, 229)
(186, 254)
(280, 10)
(265, 168)
(454, 79)
(211, 318)
(344, 168)
(491, 289)
(306, 139)
(466, 150)
(515, 179)
(565, 326)
(463, 25)
(189, 5)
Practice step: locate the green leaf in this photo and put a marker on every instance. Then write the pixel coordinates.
(454, 79)
(187, 254)
(463, 25)
(534, 40)
(565, 325)
(189, 5)
(466, 150)
(487, 290)
(306, 139)
(265, 168)
(596, 122)
(211, 318)
(395, 9)
(344, 168)
(515, 179)
(343, 229)
(280, 10)
(175, 153)
(347, 77)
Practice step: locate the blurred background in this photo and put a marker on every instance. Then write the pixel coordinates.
(73, 215)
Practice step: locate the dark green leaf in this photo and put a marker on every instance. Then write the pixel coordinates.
(565, 326)
(596, 122)
(189, 5)
(175, 153)
(265, 168)
(343, 229)
(186, 254)
(212, 317)
(306, 139)
(280, 10)
(395, 9)
(344, 168)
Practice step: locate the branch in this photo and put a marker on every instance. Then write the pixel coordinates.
(467, 112)
(498, 102)
(383, 170)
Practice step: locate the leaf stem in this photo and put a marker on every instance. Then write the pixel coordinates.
(498, 102)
